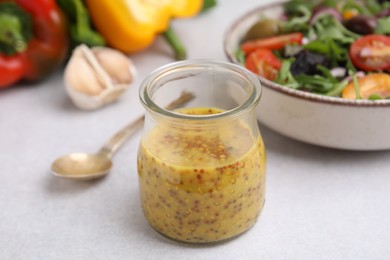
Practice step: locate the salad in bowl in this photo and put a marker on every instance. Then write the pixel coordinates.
(324, 69)
(337, 48)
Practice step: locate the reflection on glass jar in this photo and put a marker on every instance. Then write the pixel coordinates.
(201, 166)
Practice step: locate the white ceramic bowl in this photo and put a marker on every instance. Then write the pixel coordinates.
(315, 119)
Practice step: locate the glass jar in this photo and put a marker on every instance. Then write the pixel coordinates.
(201, 165)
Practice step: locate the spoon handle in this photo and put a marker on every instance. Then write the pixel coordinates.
(120, 137)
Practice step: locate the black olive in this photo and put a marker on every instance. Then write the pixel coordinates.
(306, 63)
(362, 24)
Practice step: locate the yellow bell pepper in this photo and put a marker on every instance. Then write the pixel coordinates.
(131, 25)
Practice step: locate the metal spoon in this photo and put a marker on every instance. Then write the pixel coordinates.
(87, 166)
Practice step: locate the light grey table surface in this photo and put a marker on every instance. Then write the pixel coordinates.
(321, 203)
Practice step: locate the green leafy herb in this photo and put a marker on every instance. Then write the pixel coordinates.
(353, 5)
(294, 7)
(298, 22)
(383, 26)
(351, 69)
(285, 76)
(334, 52)
(328, 27)
(374, 7)
(326, 72)
(356, 86)
(325, 84)
(240, 56)
(331, 40)
(374, 97)
(331, 3)
(315, 83)
(337, 89)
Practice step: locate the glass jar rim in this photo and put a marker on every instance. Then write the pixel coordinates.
(252, 100)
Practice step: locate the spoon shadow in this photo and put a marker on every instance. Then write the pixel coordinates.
(56, 185)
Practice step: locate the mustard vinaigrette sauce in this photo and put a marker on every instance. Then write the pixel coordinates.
(202, 186)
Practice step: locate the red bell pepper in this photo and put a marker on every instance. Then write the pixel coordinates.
(33, 40)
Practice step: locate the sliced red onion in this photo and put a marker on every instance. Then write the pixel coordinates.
(383, 13)
(322, 11)
(306, 40)
(338, 72)
(283, 17)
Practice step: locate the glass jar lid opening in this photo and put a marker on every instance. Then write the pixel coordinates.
(213, 84)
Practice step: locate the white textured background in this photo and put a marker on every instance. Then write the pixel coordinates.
(321, 203)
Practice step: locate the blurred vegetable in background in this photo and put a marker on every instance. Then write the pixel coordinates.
(35, 35)
(131, 26)
(80, 28)
(33, 40)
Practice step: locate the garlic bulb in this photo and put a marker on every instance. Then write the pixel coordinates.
(97, 76)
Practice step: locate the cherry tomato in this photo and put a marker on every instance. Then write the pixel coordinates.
(264, 63)
(371, 52)
(272, 43)
(372, 84)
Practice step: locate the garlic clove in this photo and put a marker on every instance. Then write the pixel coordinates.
(85, 82)
(98, 76)
(113, 61)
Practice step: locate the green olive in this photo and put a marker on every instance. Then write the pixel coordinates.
(263, 28)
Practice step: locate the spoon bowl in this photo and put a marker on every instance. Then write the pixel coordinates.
(82, 166)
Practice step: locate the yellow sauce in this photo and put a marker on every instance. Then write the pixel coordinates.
(202, 185)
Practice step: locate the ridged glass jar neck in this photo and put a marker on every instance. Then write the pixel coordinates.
(214, 84)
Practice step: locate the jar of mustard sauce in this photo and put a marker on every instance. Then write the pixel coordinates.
(201, 166)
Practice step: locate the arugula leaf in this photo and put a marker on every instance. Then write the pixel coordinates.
(331, 39)
(329, 27)
(383, 26)
(326, 72)
(240, 56)
(316, 83)
(352, 4)
(374, 97)
(294, 7)
(325, 84)
(337, 89)
(374, 7)
(331, 3)
(356, 86)
(285, 76)
(351, 69)
(298, 22)
(335, 53)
